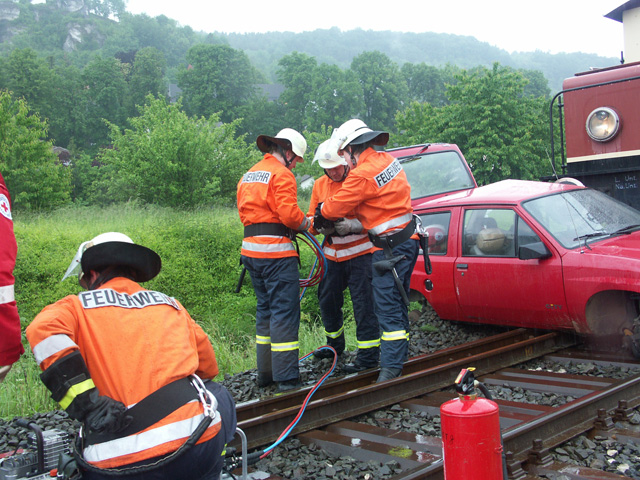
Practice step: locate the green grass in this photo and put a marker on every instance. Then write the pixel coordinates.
(200, 251)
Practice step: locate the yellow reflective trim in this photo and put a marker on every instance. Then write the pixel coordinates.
(397, 335)
(369, 343)
(74, 391)
(335, 334)
(285, 347)
(263, 340)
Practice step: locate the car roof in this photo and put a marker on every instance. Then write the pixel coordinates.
(505, 192)
(421, 148)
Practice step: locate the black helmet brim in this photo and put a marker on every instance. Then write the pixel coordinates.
(145, 262)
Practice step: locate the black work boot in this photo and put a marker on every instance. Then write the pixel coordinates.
(264, 379)
(287, 385)
(388, 374)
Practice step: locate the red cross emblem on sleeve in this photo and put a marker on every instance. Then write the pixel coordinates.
(5, 208)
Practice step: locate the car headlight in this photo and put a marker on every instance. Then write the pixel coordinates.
(603, 124)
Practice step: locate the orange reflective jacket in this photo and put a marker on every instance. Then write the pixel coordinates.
(268, 193)
(133, 341)
(377, 191)
(340, 248)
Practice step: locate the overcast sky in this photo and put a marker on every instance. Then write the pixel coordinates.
(514, 25)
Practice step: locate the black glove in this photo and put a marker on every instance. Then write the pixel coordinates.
(103, 414)
(319, 222)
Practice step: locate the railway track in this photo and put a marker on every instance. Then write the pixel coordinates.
(529, 431)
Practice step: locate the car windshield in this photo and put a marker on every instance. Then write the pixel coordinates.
(579, 217)
(435, 173)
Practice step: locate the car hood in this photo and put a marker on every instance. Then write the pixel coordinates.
(623, 246)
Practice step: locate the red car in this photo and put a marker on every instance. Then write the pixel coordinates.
(533, 254)
(434, 170)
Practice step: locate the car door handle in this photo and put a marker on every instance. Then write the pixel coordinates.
(462, 266)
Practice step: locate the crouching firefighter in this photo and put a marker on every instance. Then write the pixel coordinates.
(134, 368)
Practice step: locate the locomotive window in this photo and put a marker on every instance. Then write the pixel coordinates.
(603, 124)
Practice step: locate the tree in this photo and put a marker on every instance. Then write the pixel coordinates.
(335, 97)
(218, 79)
(34, 178)
(426, 83)
(384, 88)
(147, 77)
(295, 72)
(104, 93)
(169, 159)
(502, 132)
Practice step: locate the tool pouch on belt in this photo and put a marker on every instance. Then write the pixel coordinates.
(389, 242)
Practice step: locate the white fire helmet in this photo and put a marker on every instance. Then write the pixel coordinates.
(287, 138)
(114, 248)
(327, 155)
(355, 131)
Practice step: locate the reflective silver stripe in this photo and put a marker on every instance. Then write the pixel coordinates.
(267, 247)
(397, 335)
(348, 239)
(52, 345)
(284, 347)
(337, 334)
(7, 294)
(394, 222)
(369, 343)
(345, 252)
(145, 440)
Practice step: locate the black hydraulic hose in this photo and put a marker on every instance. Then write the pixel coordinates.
(39, 440)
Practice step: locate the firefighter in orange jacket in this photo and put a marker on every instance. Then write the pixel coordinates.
(378, 190)
(347, 249)
(268, 209)
(129, 364)
(10, 341)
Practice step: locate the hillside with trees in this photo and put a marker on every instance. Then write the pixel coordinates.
(94, 79)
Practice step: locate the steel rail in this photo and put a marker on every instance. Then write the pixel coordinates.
(264, 420)
(549, 430)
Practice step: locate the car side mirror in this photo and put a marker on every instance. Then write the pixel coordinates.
(533, 251)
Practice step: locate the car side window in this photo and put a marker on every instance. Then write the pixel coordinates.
(489, 233)
(437, 226)
(526, 235)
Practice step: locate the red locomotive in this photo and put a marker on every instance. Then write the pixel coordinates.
(601, 119)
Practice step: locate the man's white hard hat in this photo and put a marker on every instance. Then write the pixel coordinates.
(327, 154)
(114, 248)
(355, 132)
(288, 138)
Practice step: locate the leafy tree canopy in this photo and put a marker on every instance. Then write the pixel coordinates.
(33, 175)
(502, 132)
(169, 159)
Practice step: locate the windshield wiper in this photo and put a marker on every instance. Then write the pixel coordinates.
(590, 235)
(626, 230)
(586, 236)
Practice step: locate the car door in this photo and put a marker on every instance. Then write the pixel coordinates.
(438, 287)
(493, 285)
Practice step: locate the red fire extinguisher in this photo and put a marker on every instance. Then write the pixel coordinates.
(471, 439)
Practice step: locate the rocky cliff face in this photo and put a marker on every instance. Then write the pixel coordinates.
(9, 11)
(77, 32)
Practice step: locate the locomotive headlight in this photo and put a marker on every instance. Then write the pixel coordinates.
(603, 124)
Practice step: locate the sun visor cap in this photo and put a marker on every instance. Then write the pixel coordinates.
(327, 155)
(287, 138)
